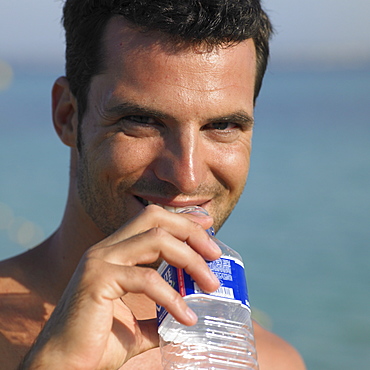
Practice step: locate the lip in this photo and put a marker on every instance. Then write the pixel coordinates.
(202, 202)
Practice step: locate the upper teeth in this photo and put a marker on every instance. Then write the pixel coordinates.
(177, 209)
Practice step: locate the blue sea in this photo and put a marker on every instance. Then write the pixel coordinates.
(302, 224)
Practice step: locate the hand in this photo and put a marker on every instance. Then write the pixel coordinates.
(91, 328)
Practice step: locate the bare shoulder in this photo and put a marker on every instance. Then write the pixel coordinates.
(11, 276)
(11, 295)
(22, 313)
(274, 353)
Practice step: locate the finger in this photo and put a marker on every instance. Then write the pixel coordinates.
(158, 217)
(120, 280)
(155, 216)
(181, 227)
(154, 244)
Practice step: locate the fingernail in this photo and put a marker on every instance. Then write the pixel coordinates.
(191, 314)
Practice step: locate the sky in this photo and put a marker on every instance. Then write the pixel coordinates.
(317, 31)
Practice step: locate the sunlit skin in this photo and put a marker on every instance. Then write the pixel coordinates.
(169, 126)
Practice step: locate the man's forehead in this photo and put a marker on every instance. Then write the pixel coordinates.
(140, 67)
(123, 36)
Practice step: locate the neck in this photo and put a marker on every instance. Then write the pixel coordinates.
(57, 258)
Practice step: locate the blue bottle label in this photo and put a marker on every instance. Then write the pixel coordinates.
(230, 272)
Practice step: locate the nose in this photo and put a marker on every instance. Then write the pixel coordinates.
(182, 162)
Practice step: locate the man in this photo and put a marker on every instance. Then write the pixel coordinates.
(157, 107)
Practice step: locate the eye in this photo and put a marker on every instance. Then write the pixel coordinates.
(140, 119)
(140, 126)
(223, 131)
(221, 126)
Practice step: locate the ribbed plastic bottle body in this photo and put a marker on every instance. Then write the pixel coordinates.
(223, 337)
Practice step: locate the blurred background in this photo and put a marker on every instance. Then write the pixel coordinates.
(302, 225)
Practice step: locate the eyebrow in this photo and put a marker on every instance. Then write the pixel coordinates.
(129, 108)
(132, 109)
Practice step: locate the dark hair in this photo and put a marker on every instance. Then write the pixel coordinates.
(193, 22)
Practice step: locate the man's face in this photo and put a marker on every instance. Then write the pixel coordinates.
(170, 127)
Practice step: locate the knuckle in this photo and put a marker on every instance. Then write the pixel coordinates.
(95, 252)
(151, 276)
(157, 232)
(90, 257)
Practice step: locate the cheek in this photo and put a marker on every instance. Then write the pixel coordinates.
(232, 166)
(125, 158)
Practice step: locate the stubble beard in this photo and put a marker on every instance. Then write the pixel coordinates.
(108, 209)
(97, 203)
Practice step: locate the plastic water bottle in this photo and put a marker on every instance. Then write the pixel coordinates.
(223, 336)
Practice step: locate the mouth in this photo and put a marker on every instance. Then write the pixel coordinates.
(178, 209)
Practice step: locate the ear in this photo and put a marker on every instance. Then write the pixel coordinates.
(64, 110)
